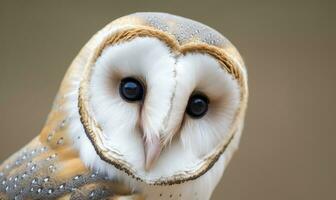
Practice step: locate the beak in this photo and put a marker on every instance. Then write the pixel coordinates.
(152, 151)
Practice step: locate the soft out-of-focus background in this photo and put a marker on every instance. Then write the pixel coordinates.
(288, 148)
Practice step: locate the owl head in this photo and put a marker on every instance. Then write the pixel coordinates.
(158, 97)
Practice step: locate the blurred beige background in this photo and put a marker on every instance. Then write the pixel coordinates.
(288, 148)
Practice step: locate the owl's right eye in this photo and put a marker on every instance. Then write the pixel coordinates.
(131, 89)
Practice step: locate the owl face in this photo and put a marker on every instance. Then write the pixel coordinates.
(160, 108)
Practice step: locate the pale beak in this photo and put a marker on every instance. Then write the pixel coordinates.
(152, 151)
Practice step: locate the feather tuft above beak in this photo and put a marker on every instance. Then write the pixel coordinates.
(152, 151)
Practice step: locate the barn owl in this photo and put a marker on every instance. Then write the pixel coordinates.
(151, 108)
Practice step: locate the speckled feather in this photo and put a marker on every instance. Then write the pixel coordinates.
(48, 167)
(184, 31)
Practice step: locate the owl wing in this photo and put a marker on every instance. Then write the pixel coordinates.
(53, 170)
(42, 172)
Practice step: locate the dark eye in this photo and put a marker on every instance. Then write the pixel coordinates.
(131, 89)
(197, 105)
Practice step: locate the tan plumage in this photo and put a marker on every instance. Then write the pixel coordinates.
(48, 167)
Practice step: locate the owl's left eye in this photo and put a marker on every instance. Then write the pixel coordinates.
(197, 106)
(131, 89)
